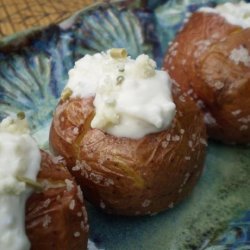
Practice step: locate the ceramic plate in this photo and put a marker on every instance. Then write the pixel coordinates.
(33, 71)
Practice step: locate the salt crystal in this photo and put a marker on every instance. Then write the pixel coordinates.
(75, 131)
(77, 234)
(102, 205)
(171, 205)
(190, 143)
(146, 203)
(69, 184)
(164, 144)
(209, 119)
(46, 203)
(79, 193)
(240, 55)
(72, 205)
(203, 141)
(58, 159)
(245, 119)
(243, 127)
(46, 220)
(218, 85)
(236, 112)
(175, 138)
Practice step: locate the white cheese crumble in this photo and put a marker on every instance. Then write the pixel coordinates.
(132, 98)
(14, 125)
(234, 13)
(19, 156)
(240, 55)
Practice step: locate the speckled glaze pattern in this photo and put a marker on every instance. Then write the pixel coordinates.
(33, 71)
(237, 235)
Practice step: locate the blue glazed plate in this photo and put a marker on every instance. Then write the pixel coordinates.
(34, 69)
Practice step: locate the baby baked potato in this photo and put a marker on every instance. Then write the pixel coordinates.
(56, 217)
(210, 59)
(131, 176)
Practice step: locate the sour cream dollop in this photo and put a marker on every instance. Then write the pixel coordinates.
(132, 98)
(234, 13)
(19, 156)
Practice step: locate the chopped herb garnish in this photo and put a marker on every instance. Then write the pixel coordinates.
(119, 79)
(30, 182)
(21, 115)
(66, 94)
(118, 53)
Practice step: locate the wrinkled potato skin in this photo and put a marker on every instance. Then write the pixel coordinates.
(125, 176)
(59, 234)
(198, 60)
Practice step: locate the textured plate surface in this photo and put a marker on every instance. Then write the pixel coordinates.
(34, 69)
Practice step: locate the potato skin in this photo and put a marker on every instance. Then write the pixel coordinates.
(199, 60)
(51, 222)
(126, 176)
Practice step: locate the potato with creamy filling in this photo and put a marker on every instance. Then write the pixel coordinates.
(55, 215)
(210, 59)
(132, 140)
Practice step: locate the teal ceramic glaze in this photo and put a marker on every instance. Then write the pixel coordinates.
(33, 71)
(221, 194)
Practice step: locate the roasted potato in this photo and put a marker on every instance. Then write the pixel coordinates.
(131, 176)
(56, 217)
(208, 58)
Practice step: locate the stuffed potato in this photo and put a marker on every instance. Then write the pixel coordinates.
(131, 176)
(210, 59)
(56, 217)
